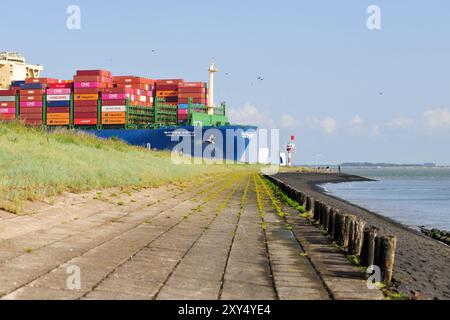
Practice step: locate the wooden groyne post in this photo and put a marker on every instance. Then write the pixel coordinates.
(351, 234)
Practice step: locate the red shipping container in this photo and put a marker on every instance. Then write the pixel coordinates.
(60, 85)
(114, 102)
(191, 95)
(30, 122)
(191, 85)
(31, 116)
(119, 90)
(11, 104)
(194, 100)
(191, 90)
(134, 86)
(87, 90)
(132, 79)
(58, 109)
(31, 98)
(30, 110)
(7, 92)
(85, 122)
(85, 115)
(31, 92)
(91, 79)
(169, 81)
(41, 80)
(85, 103)
(85, 109)
(166, 87)
(7, 116)
(101, 73)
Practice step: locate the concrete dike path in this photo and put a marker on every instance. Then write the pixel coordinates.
(220, 237)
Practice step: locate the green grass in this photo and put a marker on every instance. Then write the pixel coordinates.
(36, 164)
(391, 295)
(280, 194)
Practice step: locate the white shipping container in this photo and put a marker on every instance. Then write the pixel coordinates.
(62, 97)
(114, 108)
(7, 98)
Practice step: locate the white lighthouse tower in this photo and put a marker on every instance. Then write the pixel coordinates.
(290, 147)
(211, 70)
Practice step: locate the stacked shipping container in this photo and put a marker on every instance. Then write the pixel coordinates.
(88, 85)
(168, 90)
(196, 92)
(7, 105)
(114, 106)
(58, 104)
(120, 99)
(32, 102)
(135, 91)
(140, 94)
(140, 90)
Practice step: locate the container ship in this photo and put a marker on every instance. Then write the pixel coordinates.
(163, 114)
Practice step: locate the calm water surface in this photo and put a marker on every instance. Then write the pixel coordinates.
(412, 196)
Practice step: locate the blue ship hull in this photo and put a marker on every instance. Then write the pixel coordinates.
(227, 142)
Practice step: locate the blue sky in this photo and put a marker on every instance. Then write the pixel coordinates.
(323, 69)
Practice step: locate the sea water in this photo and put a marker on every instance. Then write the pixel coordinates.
(412, 196)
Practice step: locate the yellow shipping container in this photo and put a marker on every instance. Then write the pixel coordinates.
(83, 97)
(58, 122)
(114, 114)
(162, 94)
(113, 121)
(58, 116)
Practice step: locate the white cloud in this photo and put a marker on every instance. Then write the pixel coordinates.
(437, 118)
(327, 124)
(376, 131)
(400, 123)
(288, 121)
(249, 114)
(357, 121)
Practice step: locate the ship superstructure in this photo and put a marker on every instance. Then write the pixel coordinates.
(14, 67)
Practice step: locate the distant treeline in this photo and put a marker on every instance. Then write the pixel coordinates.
(370, 164)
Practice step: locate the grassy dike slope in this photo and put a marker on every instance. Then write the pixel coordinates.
(35, 164)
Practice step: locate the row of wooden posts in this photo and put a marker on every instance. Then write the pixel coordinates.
(350, 233)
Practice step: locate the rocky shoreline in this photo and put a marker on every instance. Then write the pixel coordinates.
(439, 235)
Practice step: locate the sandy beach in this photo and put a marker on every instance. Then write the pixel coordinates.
(421, 265)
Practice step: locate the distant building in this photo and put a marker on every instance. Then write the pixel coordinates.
(283, 161)
(13, 67)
